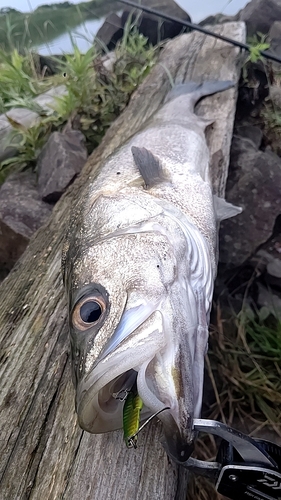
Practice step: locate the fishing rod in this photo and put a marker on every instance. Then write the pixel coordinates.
(196, 27)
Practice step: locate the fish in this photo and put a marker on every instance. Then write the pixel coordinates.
(139, 262)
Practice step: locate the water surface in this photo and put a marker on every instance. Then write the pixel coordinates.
(83, 36)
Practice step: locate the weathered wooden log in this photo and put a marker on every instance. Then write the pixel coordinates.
(44, 454)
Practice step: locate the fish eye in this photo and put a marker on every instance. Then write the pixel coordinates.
(88, 312)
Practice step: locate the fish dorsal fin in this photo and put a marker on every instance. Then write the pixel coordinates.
(149, 166)
(225, 210)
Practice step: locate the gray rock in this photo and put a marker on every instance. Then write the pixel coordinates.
(26, 117)
(252, 92)
(274, 268)
(275, 38)
(110, 32)
(267, 261)
(59, 162)
(218, 19)
(154, 28)
(273, 265)
(108, 62)
(256, 188)
(47, 65)
(259, 15)
(22, 212)
(243, 152)
(275, 95)
(270, 302)
(251, 132)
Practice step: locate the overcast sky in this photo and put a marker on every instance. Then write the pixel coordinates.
(197, 9)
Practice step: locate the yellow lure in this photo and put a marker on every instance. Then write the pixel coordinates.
(131, 417)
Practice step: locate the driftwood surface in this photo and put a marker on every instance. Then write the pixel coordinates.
(44, 454)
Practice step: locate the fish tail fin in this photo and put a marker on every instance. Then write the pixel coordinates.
(198, 90)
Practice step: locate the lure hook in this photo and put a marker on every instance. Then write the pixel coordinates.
(132, 442)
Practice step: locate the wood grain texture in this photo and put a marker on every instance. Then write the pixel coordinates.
(44, 454)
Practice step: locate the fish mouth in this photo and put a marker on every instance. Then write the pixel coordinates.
(102, 392)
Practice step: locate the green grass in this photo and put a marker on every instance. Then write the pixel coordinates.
(245, 360)
(258, 43)
(21, 30)
(244, 365)
(19, 79)
(94, 97)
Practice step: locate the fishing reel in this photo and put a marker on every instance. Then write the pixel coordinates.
(245, 468)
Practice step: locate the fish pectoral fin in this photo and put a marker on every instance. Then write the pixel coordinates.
(225, 210)
(149, 166)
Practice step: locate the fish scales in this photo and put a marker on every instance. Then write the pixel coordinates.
(139, 265)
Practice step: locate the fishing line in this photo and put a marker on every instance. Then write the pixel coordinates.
(131, 438)
(196, 27)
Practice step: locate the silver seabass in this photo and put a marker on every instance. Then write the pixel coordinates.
(139, 265)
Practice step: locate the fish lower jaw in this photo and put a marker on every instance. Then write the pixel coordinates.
(101, 396)
(100, 407)
(100, 404)
(101, 411)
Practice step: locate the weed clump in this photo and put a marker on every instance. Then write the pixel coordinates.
(18, 79)
(94, 95)
(245, 361)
